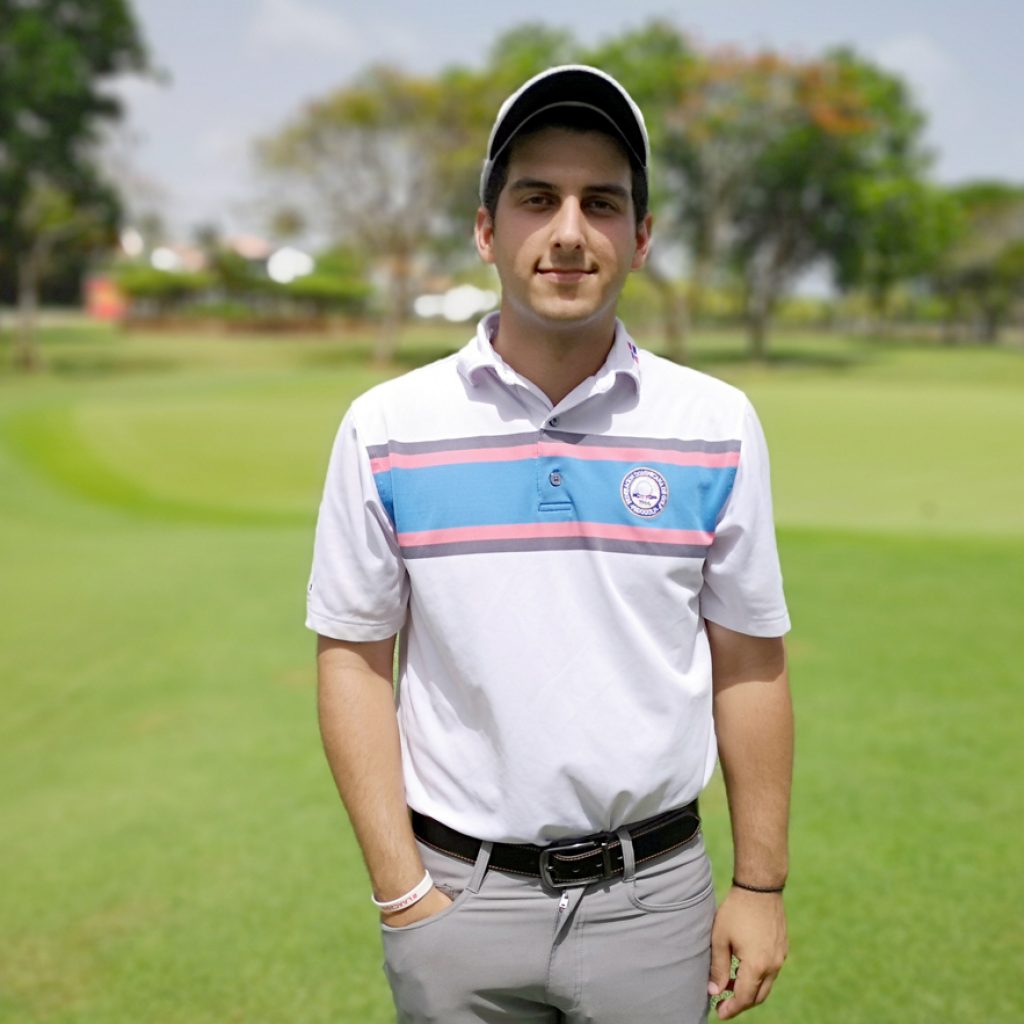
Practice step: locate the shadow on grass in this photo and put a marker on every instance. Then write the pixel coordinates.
(411, 358)
(830, 360)
(97, 365)
(346, 355)
(85, 351)
(336, 356)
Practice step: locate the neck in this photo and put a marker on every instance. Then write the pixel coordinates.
(555, 359)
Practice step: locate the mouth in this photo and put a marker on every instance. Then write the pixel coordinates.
(565, 275)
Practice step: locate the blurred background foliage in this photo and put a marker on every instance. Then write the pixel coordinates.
(766, 168)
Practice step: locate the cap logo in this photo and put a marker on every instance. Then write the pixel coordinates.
(644, 492)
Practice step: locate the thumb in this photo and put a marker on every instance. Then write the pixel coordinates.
(721, 959)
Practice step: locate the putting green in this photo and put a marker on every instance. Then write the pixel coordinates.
(233, 451)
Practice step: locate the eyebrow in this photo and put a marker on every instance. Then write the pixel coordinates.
(603, 188)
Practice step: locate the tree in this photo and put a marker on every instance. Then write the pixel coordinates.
(340, 283)
(772, 156)
(364, 163)
(905, 226)
(50, 217)
(54, 56)
(982, 271)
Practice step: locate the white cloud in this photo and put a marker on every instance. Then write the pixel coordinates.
(949, 95)
(300, 26)
(933, 73)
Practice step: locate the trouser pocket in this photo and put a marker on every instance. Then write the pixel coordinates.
(676, 880)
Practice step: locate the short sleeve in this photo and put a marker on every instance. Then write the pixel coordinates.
(358, 588)
(742, 579)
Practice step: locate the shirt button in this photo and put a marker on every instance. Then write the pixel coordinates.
(553, 421)
(556, 478)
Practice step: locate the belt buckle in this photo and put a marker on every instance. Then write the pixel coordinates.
(597, 844)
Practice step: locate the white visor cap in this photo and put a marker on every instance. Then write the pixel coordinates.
(569, 85)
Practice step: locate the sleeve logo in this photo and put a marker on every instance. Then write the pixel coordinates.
(644, 492)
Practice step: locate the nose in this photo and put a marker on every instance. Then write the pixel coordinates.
(567, 226)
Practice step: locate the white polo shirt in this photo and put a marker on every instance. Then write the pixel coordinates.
(550, 570)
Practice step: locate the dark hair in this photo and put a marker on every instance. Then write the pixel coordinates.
(572, 120)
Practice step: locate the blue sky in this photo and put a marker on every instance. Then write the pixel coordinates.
(239, 68)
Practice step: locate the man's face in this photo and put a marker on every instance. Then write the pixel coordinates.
(564, 235)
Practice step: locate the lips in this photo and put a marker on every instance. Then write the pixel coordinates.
(565, 275)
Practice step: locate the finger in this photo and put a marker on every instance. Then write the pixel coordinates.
(765, 987)
(721, 957)
(748, 981)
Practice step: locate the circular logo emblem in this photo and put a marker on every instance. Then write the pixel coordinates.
(644, 492)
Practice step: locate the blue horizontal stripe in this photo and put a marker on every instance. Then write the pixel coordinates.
(386, 494)
(469, 494)
(492, 493)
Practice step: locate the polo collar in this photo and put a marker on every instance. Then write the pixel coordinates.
(478, 359)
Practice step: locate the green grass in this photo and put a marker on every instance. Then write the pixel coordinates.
(172, 850)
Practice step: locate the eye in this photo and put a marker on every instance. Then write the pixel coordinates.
(537, 199)
(602, 205)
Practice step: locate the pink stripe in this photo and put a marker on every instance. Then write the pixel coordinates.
(398, 461)
(550, 449)
(714, 460)
(525, 531)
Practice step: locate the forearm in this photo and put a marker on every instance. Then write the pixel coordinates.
(359, 728)
(754, 726)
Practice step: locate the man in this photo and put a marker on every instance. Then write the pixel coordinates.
(574, 539)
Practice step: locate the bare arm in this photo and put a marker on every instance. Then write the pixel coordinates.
(359, 728)
(754, 725)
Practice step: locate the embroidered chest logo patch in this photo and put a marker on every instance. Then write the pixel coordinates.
(644, 492)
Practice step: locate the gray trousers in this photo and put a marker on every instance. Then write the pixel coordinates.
(635, 950)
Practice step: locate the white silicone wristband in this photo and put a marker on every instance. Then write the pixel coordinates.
(414, 895)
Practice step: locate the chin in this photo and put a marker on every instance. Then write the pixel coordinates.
(569, 318)
(567, 309)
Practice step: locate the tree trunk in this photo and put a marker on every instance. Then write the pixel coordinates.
(879, 304)
(385, 342)
(674, 319)
(385, 348)
(988, 328)
(759, 307)
(699, 276)
(26, 350)
(765, 279)
(951, 327)
(757, 334)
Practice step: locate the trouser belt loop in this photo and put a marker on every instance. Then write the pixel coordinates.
(483, 858)
(628, 857)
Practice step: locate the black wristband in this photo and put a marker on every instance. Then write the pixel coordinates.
(759, 888)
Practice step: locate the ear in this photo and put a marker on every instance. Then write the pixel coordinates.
(483, 231)
(643, 242)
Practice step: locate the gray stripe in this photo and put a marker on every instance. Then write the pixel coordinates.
(661, 444)
(623, 547)
(456, 444)
(451, 444)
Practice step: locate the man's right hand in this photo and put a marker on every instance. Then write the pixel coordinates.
(433, 903)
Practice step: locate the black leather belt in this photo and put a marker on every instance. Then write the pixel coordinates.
(569, 862)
